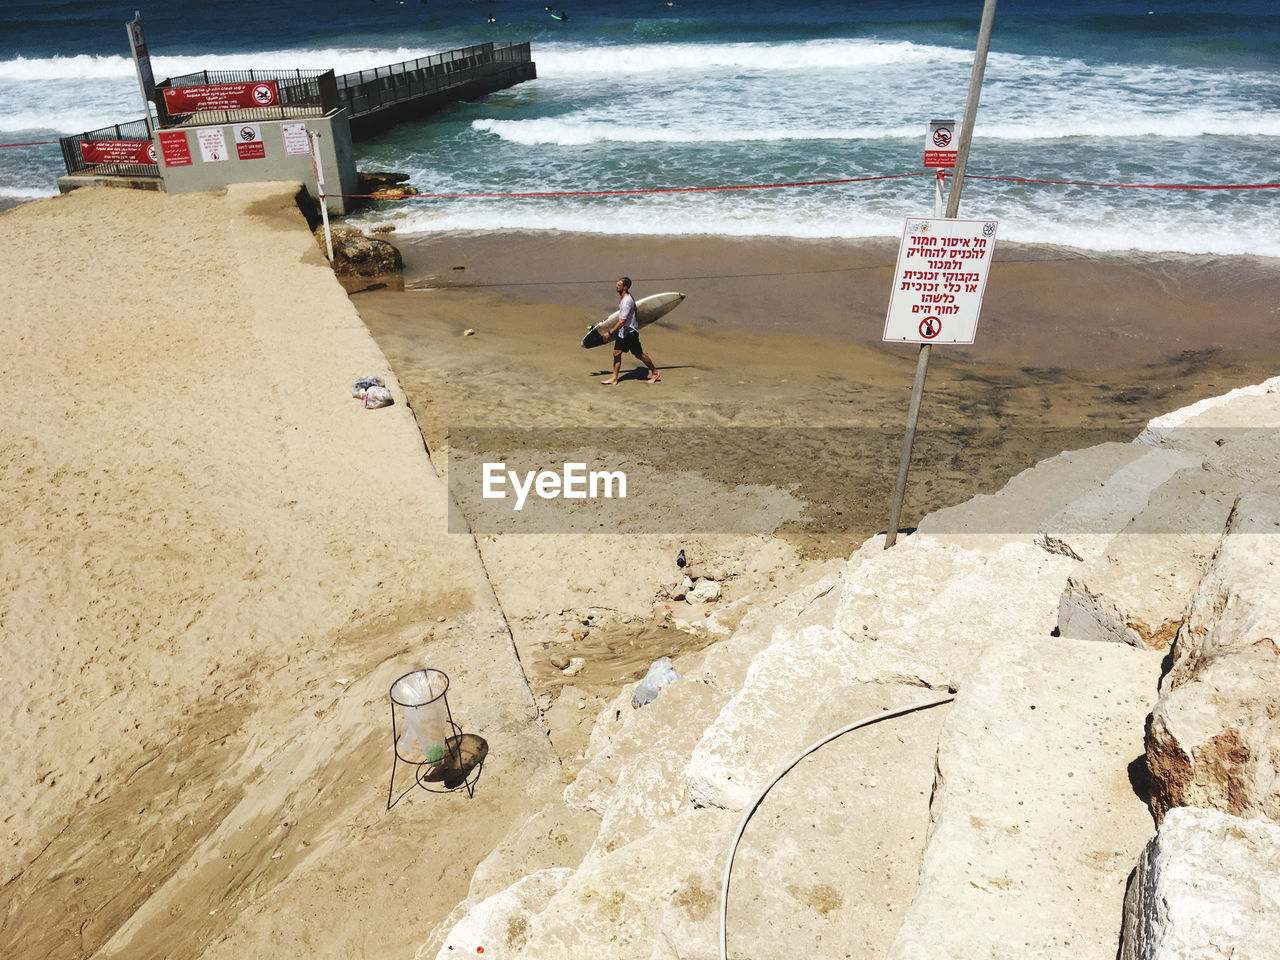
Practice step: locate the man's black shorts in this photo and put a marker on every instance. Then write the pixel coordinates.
(629, 344)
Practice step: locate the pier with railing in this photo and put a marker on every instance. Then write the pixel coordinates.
(218, 127)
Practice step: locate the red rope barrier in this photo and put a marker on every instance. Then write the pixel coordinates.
(33, 143)
(802, 183)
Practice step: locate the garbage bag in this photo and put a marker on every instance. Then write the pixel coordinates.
(361, 386)
(661, 674)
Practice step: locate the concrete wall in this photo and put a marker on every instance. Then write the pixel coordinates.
(336, 154)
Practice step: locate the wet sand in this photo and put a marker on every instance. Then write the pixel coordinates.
(773, 373)
(771, 444)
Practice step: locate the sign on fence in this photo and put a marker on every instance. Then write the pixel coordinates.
(940, 279)
(221, 96)
(940, 144)
(118, 151)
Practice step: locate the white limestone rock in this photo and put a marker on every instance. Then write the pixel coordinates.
(704, 591)
(890, 588)
(675, 587)
(499, 926)
(759, 724)
(1035, 822)
(1207, 887)
(1083, 528)
(1214, 739)
(1023, 507)
(1138, 591)
(1246, 414)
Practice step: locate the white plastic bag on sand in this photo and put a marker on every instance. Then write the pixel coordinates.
(361, 386)
(661, 674)
(377, 397)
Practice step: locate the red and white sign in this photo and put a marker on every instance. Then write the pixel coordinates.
(174, 148)
(213, 145)
(221, 96)
(296, 141)
(940, 144)
(118, 151)
(249, 145)
(940, 279)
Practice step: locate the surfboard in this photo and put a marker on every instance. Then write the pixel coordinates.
(647, 310)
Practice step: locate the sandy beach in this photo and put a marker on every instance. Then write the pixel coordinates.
(771, 444)
(216, 561)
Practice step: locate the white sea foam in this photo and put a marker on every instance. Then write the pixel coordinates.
(559, 60)
(570, 131)
(1147, 228)
(25, 193)
(85, 67)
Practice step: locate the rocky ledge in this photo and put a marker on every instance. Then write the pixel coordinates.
(1106, 780)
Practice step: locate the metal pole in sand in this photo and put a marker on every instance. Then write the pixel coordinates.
(324, 209)
(953, 207)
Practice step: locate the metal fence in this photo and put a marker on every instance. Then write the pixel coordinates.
(303, 93)
(133, 132)
(369, 90)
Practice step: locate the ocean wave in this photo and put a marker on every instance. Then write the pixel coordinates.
(574, 60)
(553, 59)
(26, 193)
(36, 124)
(86, 67)
(568, 132)
(1121, 229)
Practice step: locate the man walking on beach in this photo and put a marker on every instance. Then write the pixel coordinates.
(627, 330)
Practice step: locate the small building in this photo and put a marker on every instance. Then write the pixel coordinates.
(216, 128)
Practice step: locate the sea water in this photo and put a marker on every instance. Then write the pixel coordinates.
(636, 95)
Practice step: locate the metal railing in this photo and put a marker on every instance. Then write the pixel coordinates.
(367, 91)
(134, 131)
(303, 93)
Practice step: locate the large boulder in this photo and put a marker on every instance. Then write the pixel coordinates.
(1205, 887)
(355, 255)
(1214, 738)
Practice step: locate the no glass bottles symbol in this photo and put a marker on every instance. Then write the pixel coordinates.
(930, 327)
(942, 137)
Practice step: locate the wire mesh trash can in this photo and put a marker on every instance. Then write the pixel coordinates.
(425, 737)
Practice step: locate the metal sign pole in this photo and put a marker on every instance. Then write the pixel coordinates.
(142, 66)
(953, 207)
(324, 208)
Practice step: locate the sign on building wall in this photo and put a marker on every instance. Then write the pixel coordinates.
(249, 145)
(174, 148)
(221, 96)
(213, 145)
(939, 282)
(296, 141)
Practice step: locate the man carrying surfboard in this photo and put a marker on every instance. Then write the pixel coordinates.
(627, 330)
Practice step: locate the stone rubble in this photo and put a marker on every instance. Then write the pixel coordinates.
(1099, 590)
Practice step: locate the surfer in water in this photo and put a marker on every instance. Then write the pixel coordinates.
(627, 330)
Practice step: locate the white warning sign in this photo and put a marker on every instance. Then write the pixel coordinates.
(940, 279)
